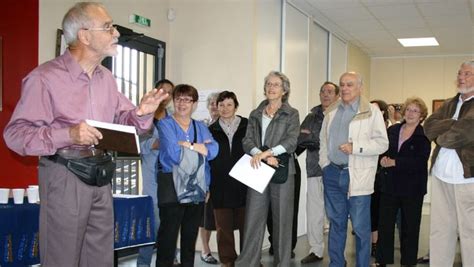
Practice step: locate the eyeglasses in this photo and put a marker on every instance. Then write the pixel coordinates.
(183, 100)
(111, 29)
(412, 110)
(464, 73)
(270, 85)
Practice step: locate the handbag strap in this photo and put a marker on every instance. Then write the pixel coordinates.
(195, 132)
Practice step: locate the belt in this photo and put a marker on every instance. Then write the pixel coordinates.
(340, 166)
(79, 153)
(58, 159)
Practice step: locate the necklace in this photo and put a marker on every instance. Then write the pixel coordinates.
(269, 112)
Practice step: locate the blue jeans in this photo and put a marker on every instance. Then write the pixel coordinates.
(338, 208)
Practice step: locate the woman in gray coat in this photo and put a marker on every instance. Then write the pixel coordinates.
(272, 131)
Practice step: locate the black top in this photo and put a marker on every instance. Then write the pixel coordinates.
(310, 142)
(410, 174)
(227, 192)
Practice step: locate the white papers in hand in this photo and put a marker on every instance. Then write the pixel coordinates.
(256, 179)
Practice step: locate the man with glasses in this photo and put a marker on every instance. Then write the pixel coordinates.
(352, 137)
(452, 191)
(76, 215)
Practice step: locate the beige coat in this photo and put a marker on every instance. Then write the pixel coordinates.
(369, 139)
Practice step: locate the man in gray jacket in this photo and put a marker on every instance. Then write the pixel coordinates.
(309, 140)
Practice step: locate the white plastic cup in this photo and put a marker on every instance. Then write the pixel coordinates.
(4, 193)
(33, 194)
(37, 188)
(18, 195)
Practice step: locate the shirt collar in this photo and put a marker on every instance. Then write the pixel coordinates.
(75, 70)
(467, 99)
(354, 106)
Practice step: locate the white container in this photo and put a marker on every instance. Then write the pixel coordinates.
(33, 194)
(4, 194)
(37, 187)
(18, 195)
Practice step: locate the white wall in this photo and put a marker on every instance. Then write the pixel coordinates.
(52, 12)
(214, 47)
(338, 57)
(359, 61)
(296, 67)
(395, 79)
(318, 63)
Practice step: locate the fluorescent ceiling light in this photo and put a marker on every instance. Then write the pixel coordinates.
(410, 42)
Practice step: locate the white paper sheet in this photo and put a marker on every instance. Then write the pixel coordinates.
(256, 179)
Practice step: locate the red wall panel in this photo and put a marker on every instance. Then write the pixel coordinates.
(19, 22)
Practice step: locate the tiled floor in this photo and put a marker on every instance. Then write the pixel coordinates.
(301, 251)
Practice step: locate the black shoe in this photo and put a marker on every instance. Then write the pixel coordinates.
(270, 251)
(373, 251)
(423, 260)
(293, 255)
(209, 259)
(311, 258)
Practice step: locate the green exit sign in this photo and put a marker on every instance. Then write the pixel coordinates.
(140, 20)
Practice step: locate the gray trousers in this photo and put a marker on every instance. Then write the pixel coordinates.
(452, 214)
(281, 197)
(76, 220)
(315, 214)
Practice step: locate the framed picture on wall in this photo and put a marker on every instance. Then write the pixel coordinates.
(437, 103)
(60, 42)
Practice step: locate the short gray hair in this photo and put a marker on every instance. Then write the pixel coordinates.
(212, 96)
(77, 18)
(285, 83)
(469, 62)
(360, 81)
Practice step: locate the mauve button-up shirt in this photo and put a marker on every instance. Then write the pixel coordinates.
(59, 94)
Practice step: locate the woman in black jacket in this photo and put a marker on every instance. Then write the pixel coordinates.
(227, 194)
(403, 184)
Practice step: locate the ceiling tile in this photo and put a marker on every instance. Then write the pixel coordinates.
(372, 35)
(406, 23)
(448, 21)
(334, 4)
(374, 25)
(347, 14)
(385, 2)
(368, 24)
(386, 43)
(446, 8)
(412, 33)
(388, 12)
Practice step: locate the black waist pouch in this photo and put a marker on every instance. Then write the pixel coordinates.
(96, 170)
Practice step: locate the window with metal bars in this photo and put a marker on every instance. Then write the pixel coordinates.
(139, 64)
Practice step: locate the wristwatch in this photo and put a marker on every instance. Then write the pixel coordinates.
(191, 146)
